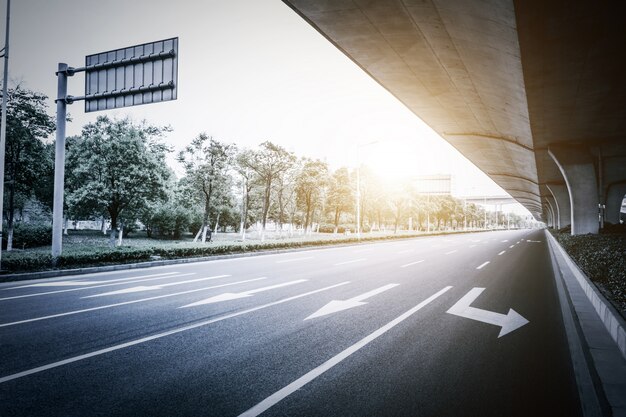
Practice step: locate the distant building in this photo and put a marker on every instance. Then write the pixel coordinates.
(440, 184)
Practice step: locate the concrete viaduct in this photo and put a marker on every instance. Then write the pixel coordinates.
(531, 91)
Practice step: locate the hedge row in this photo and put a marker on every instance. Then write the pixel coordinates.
(38, 261)
(602, 258)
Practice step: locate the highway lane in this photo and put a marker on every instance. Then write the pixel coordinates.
(244, 350)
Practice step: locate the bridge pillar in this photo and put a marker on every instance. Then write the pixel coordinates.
(577, 167)
(550, 215)
(553, 210)
(614, 199)
(561, 199)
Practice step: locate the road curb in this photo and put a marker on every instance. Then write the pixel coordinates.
(609, 316)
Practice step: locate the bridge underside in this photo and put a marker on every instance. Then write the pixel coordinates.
(533, 92)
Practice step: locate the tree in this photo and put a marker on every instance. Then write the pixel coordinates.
(268, 163)
(340, 195)
(206, 162)
(28, 160)
(116, 167)
(311, 183)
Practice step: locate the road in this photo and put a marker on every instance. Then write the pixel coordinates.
(401, 328)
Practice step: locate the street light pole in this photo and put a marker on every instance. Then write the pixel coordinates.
(3, 121)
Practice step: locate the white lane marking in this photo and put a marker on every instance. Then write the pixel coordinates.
(452, 251)
(505, 240)
(533, 241)
(78, 283)
(511, 246)
(471, 246)
(336, 306)
(350, 262)
(406, 251)
(517, 242)
(411, 263)
(335, 360)
(294, 260)
(501, 252)
(227, 296)
(154, 287)
(482, 265)
(363, 250)
(509, 322)
(95, 286)
(85, 310)
(159, 335)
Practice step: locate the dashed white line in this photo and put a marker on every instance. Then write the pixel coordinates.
(284, 261)
(411, 263)
(511, 246)
(159, 335)
(85, 310)
(482, 265)
(452, 251)
(335, 360)
(350, 262)
(501, 252)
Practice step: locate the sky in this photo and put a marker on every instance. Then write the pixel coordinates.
(249, 71)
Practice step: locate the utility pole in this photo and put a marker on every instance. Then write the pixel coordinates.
(3, 122)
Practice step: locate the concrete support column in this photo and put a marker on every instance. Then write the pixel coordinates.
(561, 198)
(614, 199)
(554, 211)
(549, 216)
(576, 165)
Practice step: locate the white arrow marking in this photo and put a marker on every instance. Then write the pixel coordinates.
(509, 322)
(154, 287)
(227, 296)
(338, 305)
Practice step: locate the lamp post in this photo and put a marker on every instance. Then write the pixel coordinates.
(358, 187)
(3, 122)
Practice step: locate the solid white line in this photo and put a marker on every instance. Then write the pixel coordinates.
(407, 251)
(412, 263)
(135, 289)
(452, 251)
(481, 266)
(77, 283)
(94, 286)
(335, 360)
(349, 262)
(501, 252)
(85, 310)
(363, 250)
(294, 260)
(158, 336)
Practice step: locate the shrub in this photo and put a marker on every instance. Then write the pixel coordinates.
(29, 235)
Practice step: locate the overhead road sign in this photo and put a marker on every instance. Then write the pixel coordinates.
(141, 74)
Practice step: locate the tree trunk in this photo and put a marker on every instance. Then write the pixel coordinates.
(10, 239)
(65, 225)
(195, 239)
(119, 241)
(103, 228)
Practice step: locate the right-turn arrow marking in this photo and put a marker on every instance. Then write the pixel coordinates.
(508, 322)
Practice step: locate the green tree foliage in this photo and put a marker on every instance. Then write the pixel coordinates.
(268, 163)
(116, 167)
(28, 160)
(340, 195)
(207, 167)
(310, 185)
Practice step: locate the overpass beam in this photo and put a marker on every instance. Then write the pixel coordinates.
(614, 199)
(561, 199)
(577, 166)
(554, 210)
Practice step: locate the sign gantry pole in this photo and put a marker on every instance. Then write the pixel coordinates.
(131, 76)
(59, 162)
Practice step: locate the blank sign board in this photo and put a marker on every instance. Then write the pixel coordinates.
(141, 74)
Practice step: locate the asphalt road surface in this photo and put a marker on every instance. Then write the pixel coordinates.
(420, 327)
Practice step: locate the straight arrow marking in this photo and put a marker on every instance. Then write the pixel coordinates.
(227, 296)
(338, 305)
(154, 287)
(507, 322)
